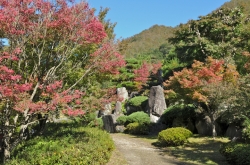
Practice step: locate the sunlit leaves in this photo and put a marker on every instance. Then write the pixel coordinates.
(191, 83)
(218, 34)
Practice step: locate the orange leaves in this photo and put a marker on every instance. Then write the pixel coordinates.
(192, 82)
(199, 97)
(230, 74)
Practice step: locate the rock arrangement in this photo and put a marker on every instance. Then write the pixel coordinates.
(156, 103)
(122, 94)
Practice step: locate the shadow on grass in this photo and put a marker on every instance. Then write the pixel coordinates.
(198, 150)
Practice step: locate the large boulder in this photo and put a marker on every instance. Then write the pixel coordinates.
(109, 120)
(109, 123)
(120, 128)
(190, 126)
(122, 94)
(131, 109)
(156, 101)
(155, 128)
(154, 119)
(118, 108)
(107, 109)
(204, 126)
(234, 132)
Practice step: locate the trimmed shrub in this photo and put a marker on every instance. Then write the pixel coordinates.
(174, 136)
(137, 129)
(124, 111)
(236, 153)
(178, 111)
(137, 101)
(185, 132)
(121, 120)
(64, 143)
(138, 117)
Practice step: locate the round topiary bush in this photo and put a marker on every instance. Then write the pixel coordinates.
(121, 120)
(137, 129)
(187, 133)
(174, 136)
(137, 101)
(139, 117)
(181, 111)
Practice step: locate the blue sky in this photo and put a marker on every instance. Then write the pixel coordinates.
(134, 16)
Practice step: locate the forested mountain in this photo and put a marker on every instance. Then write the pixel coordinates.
(235, 3)
(153, 40)
(146, 41)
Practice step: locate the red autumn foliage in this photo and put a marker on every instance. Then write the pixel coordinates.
(43, 37)
(9, 87)
(61, 26)
(18, 17)
(142, 75)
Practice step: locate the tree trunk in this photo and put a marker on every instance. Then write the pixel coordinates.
(212, 114)
(6, 152)
(214, 133)
(42, 122)
(7, 133)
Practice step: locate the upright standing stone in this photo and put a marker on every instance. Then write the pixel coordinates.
(233, 132)
(107, 109)
(122, 93)
(156, 101)
(203, 125)
(118, 108)
(109, 123)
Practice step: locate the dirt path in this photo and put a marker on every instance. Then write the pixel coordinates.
(137, 151)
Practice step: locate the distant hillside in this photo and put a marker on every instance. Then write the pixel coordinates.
(235, 3)
(151, 39)
(146, 41)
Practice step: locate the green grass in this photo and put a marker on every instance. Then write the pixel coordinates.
(200, 150)
(65, 143)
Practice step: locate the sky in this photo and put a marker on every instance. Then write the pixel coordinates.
(134, 16)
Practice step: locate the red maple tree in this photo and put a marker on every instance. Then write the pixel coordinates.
(142, 75)
(43, 37)
(204, 83)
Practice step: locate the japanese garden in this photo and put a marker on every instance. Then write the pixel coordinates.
(68, 86)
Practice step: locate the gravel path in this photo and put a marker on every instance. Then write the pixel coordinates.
(137, 151)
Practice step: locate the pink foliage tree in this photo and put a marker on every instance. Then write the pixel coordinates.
(44, 36)
(142, 75)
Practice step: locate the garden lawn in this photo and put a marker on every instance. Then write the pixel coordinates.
(197, 151)
(200, 150)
